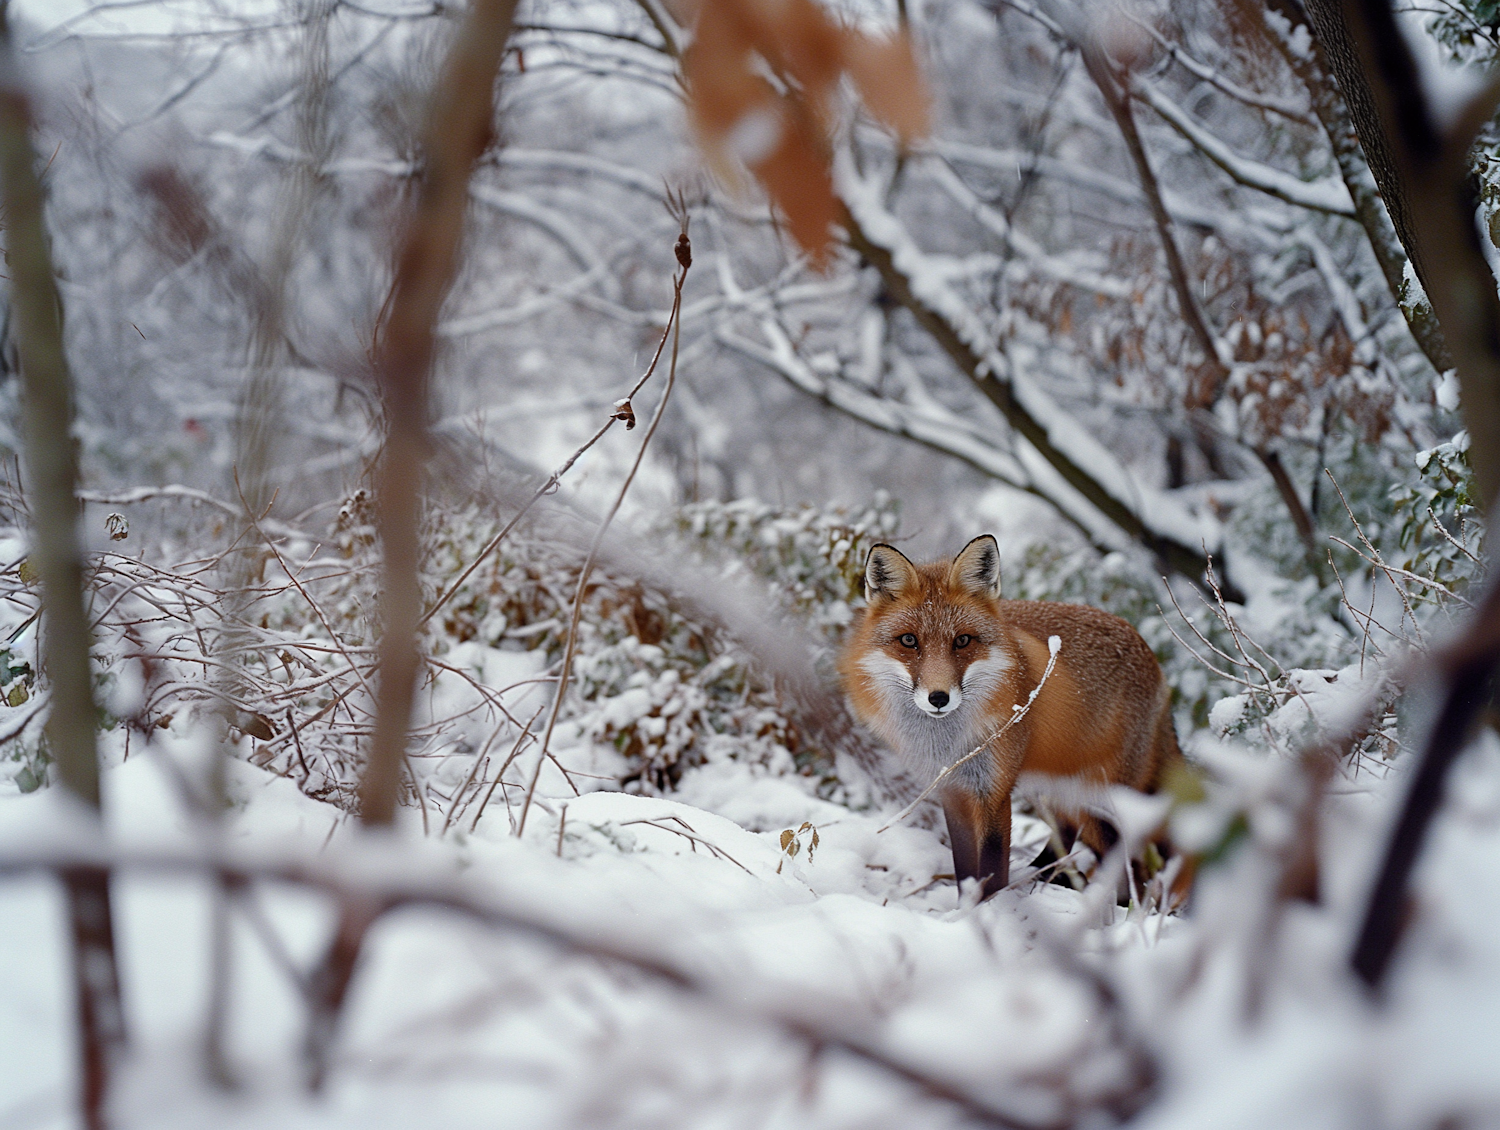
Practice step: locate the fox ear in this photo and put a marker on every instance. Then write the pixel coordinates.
(977, 569)
(888, 572)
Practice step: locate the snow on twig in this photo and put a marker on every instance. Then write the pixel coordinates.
(1281, 106)
(1053, 266)
(1329, 195)
(1265, 232)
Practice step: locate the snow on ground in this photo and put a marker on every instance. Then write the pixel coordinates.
(456, 1024)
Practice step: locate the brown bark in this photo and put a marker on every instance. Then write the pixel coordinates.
(52, 474)
(1333, 113)
(1430, 174)
(1343, 57)
(1423, 174)
(459, 129)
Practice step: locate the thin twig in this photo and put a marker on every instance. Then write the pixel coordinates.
(515, 752)
(690, 835)
(556, 477)
(1455, 543)
(684, 258)
(1375, 557)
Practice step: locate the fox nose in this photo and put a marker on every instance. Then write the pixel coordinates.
(939, 699)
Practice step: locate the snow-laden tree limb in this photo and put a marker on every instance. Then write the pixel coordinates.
(1177, 537)
(1330, 195)
(1267, 231)
(507, 158)
(549, 220)
(927, 423)
(622, 175)
(524, 310)
(1286, 108)
(1113, 86)
(1055, 267)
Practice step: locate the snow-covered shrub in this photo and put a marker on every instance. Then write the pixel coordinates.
(1441, 526)
(655, 679)
(658, 684)
(663, 686)
(812, 558)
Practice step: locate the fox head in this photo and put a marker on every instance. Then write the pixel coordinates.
(931, 648)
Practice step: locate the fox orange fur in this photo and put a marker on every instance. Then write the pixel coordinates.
(937, 663)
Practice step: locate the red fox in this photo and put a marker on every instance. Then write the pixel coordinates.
(937, 664)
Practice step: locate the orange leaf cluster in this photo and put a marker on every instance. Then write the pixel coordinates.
(763, 78)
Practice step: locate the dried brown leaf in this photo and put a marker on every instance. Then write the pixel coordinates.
(885, 72)
(762, 79)
(796, 175)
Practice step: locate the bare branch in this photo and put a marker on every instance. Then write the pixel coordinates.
(458, 132)
(52, 468)
(685, 260)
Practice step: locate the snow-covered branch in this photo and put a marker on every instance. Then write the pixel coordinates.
(1285, 107)
(1329, 195)
(928, 424)
(1177, 537)
(1056, 267)
(1265, 231)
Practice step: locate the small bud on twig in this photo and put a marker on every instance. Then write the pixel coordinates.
(684, 251)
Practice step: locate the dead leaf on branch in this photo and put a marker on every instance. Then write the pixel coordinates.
(625, 411)
(763, 79)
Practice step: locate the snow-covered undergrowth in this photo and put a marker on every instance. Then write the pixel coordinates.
(740, 938)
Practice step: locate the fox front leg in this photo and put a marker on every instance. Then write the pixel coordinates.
(979, 832)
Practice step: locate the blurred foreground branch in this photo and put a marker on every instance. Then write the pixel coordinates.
(368, 887)
(1429, 168)
(459, 129)
(52, 468)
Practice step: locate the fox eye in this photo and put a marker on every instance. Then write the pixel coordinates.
(963, 641)
(907, 640)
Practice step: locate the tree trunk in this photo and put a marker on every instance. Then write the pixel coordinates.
(1379, 206)
(52, 483)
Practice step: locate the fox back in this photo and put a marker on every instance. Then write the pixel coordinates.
(938, 664)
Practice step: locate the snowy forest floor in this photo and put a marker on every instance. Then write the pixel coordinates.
(1038, 1003)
